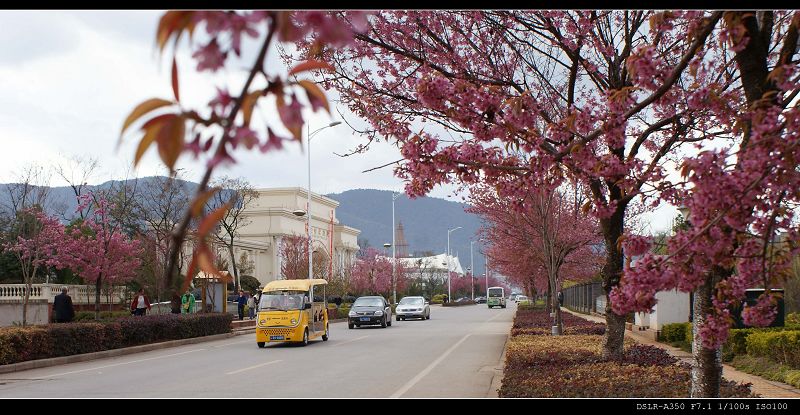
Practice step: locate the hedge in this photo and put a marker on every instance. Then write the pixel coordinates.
(19, 344)
(438, 298)
(780, 346)
(676, 333)
(456, 304)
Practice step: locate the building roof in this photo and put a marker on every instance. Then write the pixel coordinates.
(433, 262)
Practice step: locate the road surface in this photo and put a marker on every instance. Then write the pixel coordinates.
(454, 354)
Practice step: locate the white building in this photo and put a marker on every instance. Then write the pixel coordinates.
(435, 264)
(269, 218)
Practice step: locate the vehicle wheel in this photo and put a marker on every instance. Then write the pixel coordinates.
(349, 325)
(383, 322)
(502, 306)
(398, 318)
(428, 317)
(305, 338)
(389, 322)
(261, 344)
(325, 336)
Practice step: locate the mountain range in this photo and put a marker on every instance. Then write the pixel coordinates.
(425, 220)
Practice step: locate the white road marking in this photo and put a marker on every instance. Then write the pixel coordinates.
(253, 367)
(232, 343)
(349, 341)
(494, 317)
(427, 370)
(124, 363)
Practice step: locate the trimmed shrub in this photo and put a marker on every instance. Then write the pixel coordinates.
(19, 344)
(793, 319)
(676, 332)
(780, 346)
(456, 304)
(438, 298)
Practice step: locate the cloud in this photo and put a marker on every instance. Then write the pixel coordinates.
(26, 36)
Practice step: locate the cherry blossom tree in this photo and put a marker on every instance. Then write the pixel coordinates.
(742, 196)
(97, 250)
(294, 259)
(36, 247)
(523, 99)
(372, 274)
(535, 237)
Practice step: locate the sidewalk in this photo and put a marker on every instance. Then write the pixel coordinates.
(765, 388)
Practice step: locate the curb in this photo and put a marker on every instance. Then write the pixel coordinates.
(497, 379)
(55, 361)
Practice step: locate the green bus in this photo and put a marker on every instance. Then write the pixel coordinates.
(496, 297)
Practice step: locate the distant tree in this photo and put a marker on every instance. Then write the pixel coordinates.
(372, 274)
(36, 247)
(294, 257)
(97, 250)
(236, 194)
(159, 206)
(77, 171)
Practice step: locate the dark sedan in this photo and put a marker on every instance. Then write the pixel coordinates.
(480, 300)
(370, 310)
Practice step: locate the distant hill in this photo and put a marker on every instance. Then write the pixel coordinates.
(425, 219)
(425, 222)
(61, 201)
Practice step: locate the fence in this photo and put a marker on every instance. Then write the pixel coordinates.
(588, 297)
(81, 294)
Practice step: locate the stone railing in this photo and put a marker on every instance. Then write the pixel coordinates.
(81, 294)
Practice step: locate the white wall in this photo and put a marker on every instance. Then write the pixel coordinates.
(672, 307)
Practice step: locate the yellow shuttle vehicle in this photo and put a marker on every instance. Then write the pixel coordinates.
(286, 312)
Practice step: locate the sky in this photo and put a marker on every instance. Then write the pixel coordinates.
(68, 79)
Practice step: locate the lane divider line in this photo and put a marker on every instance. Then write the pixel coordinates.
(428, 369)
(349, 341)
(253, 367)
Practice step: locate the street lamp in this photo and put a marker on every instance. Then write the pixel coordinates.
(447, 256)
(394, 252)
(471, 267)
(308, 204)
(385, 247)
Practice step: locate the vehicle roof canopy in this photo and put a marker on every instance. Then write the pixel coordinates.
(294, 285)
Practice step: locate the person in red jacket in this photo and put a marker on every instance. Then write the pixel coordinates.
(140, 303)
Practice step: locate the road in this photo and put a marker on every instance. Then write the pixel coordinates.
(454, 354)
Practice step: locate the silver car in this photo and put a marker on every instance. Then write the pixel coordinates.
(413, 307)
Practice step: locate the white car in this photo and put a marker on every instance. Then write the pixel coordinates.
(413, 307)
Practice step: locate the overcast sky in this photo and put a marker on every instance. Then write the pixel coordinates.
(69, 78)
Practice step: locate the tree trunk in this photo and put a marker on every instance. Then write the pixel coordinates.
(612, 228)
(236, 281)
(97, 286)
(25, 299)
(707, 364)
(549, 301)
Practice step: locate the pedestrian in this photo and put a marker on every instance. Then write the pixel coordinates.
(251, 305)
(175, 304)
(560, 299)
(241, 300)
(140, 303)
(62, 307)
(187, 302)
